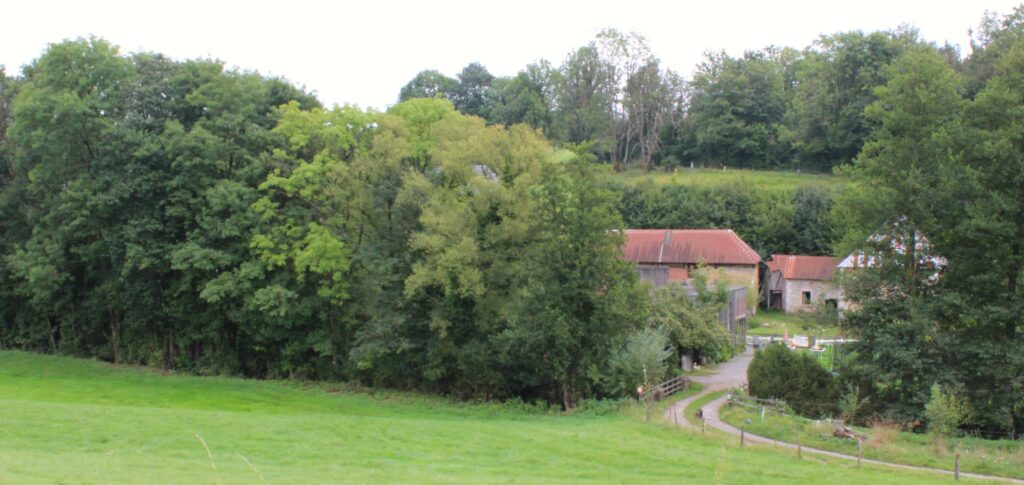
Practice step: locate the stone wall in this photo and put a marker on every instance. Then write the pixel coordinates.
(792, 294)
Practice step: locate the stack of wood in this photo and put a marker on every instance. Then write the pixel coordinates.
(847, 433)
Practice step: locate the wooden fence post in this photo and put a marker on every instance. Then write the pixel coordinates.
(956, 467)
(703, 425)
(859, 454)
(799, 449)
(743, 431)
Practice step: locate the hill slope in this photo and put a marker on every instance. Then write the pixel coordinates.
(772, 181)
(77, 421)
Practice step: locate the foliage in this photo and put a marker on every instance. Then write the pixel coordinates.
(937, 177)
(177, 214)
(643, 361)
(736, 107)
(794, 377)
(428, 84)
(578, 297)
(851, 403)
(977, 455)
(797, 222)
(945, 411)
(691, 322)
(837, 77)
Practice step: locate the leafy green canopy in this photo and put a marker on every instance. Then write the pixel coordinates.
(178, 214)
(941, 175)
(796, 378)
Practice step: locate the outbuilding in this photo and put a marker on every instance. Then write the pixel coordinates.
(677, 252)
(799, 283)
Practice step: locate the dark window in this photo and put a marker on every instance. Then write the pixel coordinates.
(807, 298)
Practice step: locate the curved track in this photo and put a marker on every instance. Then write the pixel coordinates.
(734, 374)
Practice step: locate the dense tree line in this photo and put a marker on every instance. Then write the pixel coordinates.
(181, 215)
(941, 173)
(769, 108)
(772, 222)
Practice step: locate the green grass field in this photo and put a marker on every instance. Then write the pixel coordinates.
(774, 322)
(994, 457)
(75, 421)
(767, 180)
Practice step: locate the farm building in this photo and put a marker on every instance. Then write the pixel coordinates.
(798, 283)
(667, 256)
(733, 315)
(678, 251)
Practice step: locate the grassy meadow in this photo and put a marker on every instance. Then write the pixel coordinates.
(775, 322)
(77, 421)
(776, 180)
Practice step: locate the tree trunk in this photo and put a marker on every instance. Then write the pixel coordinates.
(115, 335)
(169, 351)
(567, 396)
(1012, 279)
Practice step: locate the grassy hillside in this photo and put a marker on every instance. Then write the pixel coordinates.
(77, 421)
(994, 457)
(765, 180)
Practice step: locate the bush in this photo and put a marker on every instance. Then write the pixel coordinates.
(945, 411)
(797, 378)
(643, 361)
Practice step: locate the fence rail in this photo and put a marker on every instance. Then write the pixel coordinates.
(667, 388)
(779, 407)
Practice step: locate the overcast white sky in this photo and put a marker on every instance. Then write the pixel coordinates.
(363, 52)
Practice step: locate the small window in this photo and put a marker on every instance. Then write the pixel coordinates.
(807, 298)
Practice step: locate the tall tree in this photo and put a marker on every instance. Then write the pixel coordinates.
(578, 298)
(905, 192)
(581, 98)
(992, 229)
(736, 108)
(837, 79)
(526, 98)
(65, 113)
(428, 84)
(625, 57)
(652, 97)
(470, 95)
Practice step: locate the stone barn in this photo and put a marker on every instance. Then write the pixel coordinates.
(798, 283)
(673, 253)
(668, 256)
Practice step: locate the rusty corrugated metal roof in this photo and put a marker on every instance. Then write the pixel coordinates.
(803, 267)
(687, 246)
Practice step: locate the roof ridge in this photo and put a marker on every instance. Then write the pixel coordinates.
(745, 246)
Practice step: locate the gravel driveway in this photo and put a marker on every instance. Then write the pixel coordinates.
(734, 374)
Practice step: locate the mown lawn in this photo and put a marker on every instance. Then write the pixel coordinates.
(76, 421)
(781, 181)
(994, 457)
(775, 322)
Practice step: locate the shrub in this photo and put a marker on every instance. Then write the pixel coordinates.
(797, 378)
(851, 403)
(643, 361)
(945, 411)
(883, 433)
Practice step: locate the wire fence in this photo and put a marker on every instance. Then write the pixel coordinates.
(778, 407)
(775, 407)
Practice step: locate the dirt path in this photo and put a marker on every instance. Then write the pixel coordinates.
(734, 374)
(730, 374)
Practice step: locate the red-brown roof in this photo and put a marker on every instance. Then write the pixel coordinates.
(687, 246)
(803, 267)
